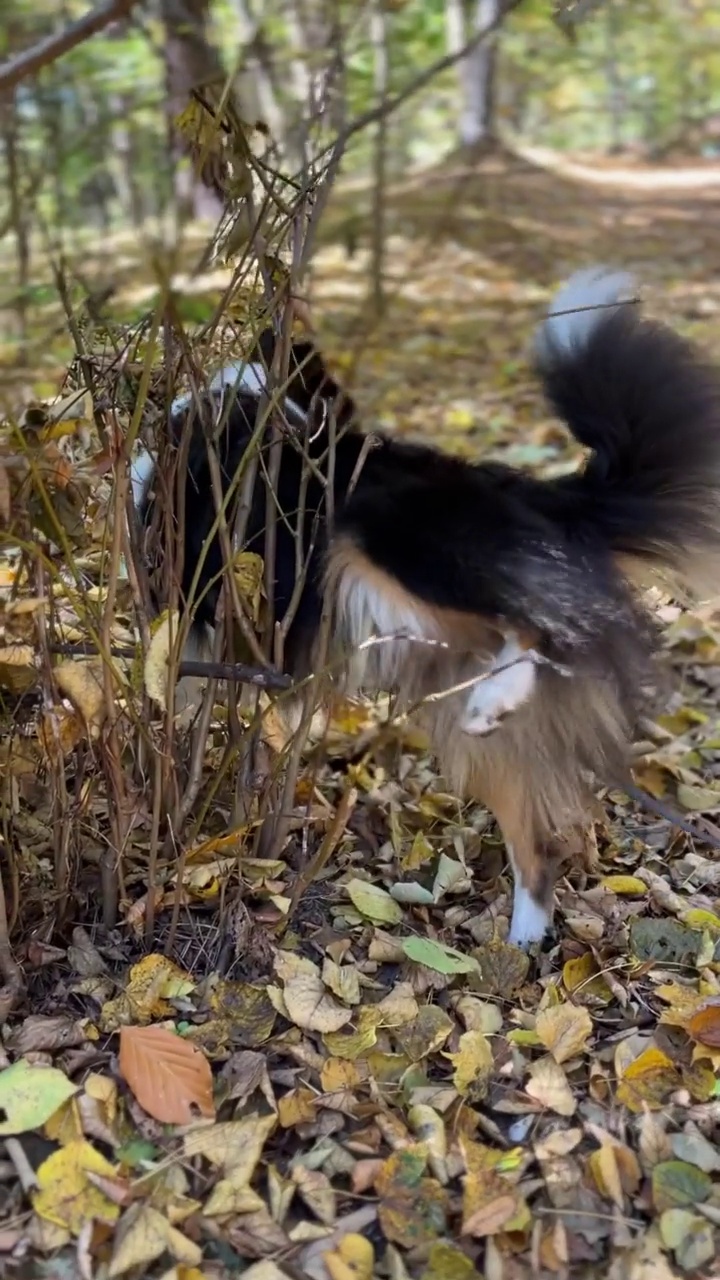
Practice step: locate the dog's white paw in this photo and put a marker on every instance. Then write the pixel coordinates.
(530, 920)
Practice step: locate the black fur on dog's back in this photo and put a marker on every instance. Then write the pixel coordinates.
(486, 539)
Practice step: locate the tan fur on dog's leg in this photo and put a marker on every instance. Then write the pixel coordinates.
(532, 853)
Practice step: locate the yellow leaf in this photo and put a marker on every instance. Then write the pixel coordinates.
(647, 1081)
(629, 886)
(350, 1045)
(353, 1259)
(66, 1124)
(582, 976)
(604, 1169)
(158, 656)
(697, 918)
(227, 1197)
(154, 981)
(420, 852)
(297, 1107)
(339, 1074)
(316, 1190)
(18, 672)
(248, 571)
(564, 1030)
(460, 419)
(473, 1064)
(343, 980)
(489, 1203)
(66, 1196)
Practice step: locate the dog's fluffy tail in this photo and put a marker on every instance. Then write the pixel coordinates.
(647, 406)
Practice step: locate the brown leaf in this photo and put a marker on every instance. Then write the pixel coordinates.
(704, 1026)
(170, 1078)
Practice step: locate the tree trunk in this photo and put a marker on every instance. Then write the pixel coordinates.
(191, 62)
(18, 211)
(379, 41)
(256, 81)
(616, 96)
(476, 70)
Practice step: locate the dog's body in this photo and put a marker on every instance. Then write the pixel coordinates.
(508, 597)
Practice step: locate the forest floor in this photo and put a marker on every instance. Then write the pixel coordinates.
(387, 1087)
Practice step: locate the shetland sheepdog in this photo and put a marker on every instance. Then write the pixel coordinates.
(506, 609)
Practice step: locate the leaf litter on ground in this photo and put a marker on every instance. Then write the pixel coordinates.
(383, 1087)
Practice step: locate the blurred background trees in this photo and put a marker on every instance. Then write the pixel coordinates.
(92, 138)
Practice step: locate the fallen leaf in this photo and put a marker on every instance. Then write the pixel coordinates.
(548, 1085)
(30, 1095)
(343, 980)
(647, 1081)
(473, 1065)
(437, 956)
(564, 1030)
(694, 1148)
(629, 886)
(83, 682)
(316, 1190)
(145, 1235)
(489, 1204)
(354, 1259)
(426, 1033)
(372, 901)
(447, 1262)
(248, 571)
(582, 978)
(309, 1006)
(170, 1077)
(665, 940)
(704, 1025)
(236, 1145)
(676, 1185)
(413, 1207)
(66, 1195)
(164, 636)
(503, 968)
(690, 1237)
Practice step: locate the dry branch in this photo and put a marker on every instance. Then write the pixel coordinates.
(52, 47)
